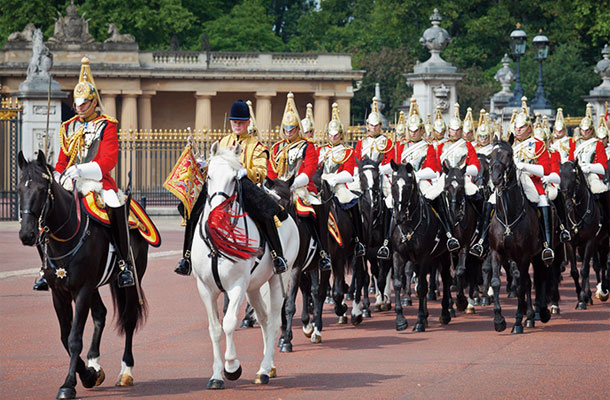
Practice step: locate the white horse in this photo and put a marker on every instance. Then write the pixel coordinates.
(239, 277)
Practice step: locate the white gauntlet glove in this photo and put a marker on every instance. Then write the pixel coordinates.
(241, 173)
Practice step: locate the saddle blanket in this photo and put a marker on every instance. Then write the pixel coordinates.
(138, 219)
(305, 210)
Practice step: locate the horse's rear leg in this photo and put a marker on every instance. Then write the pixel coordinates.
(75, 346)
(128, 308)
(288, 311)
(520, 280)
(422, 292)
(209, 300)
(399, 272)
(98, 314)
(319, 285)
(445, 317)
(499, 321)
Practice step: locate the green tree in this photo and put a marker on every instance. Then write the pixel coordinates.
(15, 15)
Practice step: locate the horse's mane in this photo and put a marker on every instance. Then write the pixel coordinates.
(33, 170)
(227, 154)
(502, 145)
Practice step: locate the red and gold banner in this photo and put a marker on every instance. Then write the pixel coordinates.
(186, 180)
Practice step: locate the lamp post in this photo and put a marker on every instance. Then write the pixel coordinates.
(541, 44)
(518, 40)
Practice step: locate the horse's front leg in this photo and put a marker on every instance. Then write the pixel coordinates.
(422, 292)
(496, 264)
(98, 314)
(519, 271)
(530, 313)
(232, 367)
(359, 273)
(75, 346)
(339, 287)
(399, 271)
(307, 311)
(574, 273)
(445, 317)
(319, 285)
(209, 299)
(585, 290)
(460, 278)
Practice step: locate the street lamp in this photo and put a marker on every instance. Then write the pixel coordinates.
(541, 44)
(518, 42)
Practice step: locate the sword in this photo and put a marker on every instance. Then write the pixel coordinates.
(46, 135)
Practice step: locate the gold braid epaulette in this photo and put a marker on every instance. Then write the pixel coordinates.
(71, 146)
(536, 154)
(109, 118)
(386, 149)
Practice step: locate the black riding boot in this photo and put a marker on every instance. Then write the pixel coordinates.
(384, 251)
(184, 265)
(547, 253)
(279, 263)
(439, 204)
(564, 234)
(356, 218)
(120, 235)
(324, 263)
(41, 284)
(478, 249)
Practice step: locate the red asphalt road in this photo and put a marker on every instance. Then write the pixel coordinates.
(566, 358)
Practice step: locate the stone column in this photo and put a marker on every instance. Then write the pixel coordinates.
(263, 112)
(129, 111)
(203, 110)
(128, 120)
(109, 103)
(321, 112)
(34, 95)
(145, 109)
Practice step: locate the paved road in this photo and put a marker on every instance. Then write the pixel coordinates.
(567, 358)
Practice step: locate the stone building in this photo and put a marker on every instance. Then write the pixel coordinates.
(179, 89)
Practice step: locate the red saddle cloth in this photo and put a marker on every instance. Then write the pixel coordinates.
(138, 219)
(306, 210)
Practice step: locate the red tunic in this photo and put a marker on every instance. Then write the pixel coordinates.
(431, 160)
(107, 152)
(556, 161)
(308, 166)
(349, 161)
(543, 159)
(387, 156)
(471, 159)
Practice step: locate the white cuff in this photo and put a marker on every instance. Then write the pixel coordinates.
(301, 180)
(597, 168)
(553, 178)
(90, 170)
(343, 177)
(385, 169)
(426, 173)
(56, 176)
(472, 170)
(537, 170)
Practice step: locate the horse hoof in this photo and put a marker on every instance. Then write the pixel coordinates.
(452, 312)
(273, 373)
(90, 378)
(603, 297)
(247, 323)
(307, 331)
(371, 290)
(366, 313)
(261, 379)
(377, 308)
(329, 300)
(500, 326)
(517, 329)
(124, 380)
(444, 319)
(581, 305)
(101, 376)
(470, 310)
(286, 348)
(537, 316)
(66, 393)
(401, 326)
(215, 384)
(356, 319)
(280, 341)
(342, 320)
(555, 310)
(485, 301)
(432, 296)
(419, 327)
(545, 315)
(477, 301)
(528, 324)
(512, 294)
(386, 307)
(315, 338)
(348, 297)
(233, 376)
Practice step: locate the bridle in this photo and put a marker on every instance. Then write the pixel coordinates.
(408, 214)
(575, 203)
(501, 191)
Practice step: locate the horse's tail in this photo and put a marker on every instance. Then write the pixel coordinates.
(129, 311)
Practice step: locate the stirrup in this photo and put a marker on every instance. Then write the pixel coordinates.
(125, 277)
(360, 249)
(453, 244)
(41, 285)
(547, 255)
(279, 265)
(477, 250)
(324, 264)
(184, 265)
(384, 251)
(564, 235)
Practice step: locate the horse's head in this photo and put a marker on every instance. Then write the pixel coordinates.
(222, 173)
(404, 189)
(454, 187)
(368, 173)
(34, 195)
(280, 190)
(571, 178)
(483, 176)
(503, 169)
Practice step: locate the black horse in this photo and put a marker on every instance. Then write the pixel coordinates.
(374, 212)
(463, 215)
(417, 237)
(589, 233)
(303, 276)
(514, 237)
(76, 260)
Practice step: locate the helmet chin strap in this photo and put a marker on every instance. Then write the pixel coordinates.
(89, 110)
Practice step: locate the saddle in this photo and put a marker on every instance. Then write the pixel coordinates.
(138, 219)
(304, 210)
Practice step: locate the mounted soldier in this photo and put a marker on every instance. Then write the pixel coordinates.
(561, 143)
(259, 206)
(89, 151)
(439, 129)
(468, 127)
(483, 136)
(533, 161)
(592, 159)
(338, 162)
(296, 157)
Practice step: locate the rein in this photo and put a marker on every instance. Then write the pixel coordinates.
(587, 215)
(419, 206)
(502, 190)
